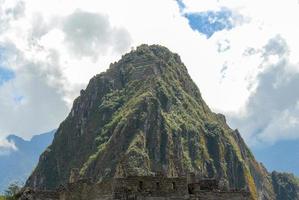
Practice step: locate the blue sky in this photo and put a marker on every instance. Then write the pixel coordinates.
(5, 75)
(276, 157)
(208, 22)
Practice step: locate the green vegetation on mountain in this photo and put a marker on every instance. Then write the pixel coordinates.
(12, 191)
(144, 116)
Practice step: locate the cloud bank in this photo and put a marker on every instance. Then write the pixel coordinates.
(46, 59)
(272, 110)
(91, 35)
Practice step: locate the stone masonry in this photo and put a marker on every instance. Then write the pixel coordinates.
(138, 188)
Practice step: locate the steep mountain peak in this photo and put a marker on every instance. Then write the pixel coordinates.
(145, 116)
(147, 55)
(147, 62)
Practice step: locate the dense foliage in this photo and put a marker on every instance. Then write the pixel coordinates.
(11, 192)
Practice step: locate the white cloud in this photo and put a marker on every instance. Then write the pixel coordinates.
(6, 147)
(10, 10)
(32, 101)
(45, 55)
(272, 109)
(91, 35)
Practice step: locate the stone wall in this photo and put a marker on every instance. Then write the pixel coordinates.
(150, 186)
(136, 188)
(87, 190)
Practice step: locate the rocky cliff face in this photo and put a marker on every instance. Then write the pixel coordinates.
(143, 116)
(285, 185)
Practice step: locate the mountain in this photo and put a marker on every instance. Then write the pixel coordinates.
(18, 164)
(144, 116)
(285, 185)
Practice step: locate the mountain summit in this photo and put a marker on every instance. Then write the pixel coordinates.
(145, 116)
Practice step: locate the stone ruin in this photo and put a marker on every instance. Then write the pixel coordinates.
(138, 188)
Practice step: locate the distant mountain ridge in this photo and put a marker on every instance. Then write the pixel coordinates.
(145, 116)
(18, 164)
